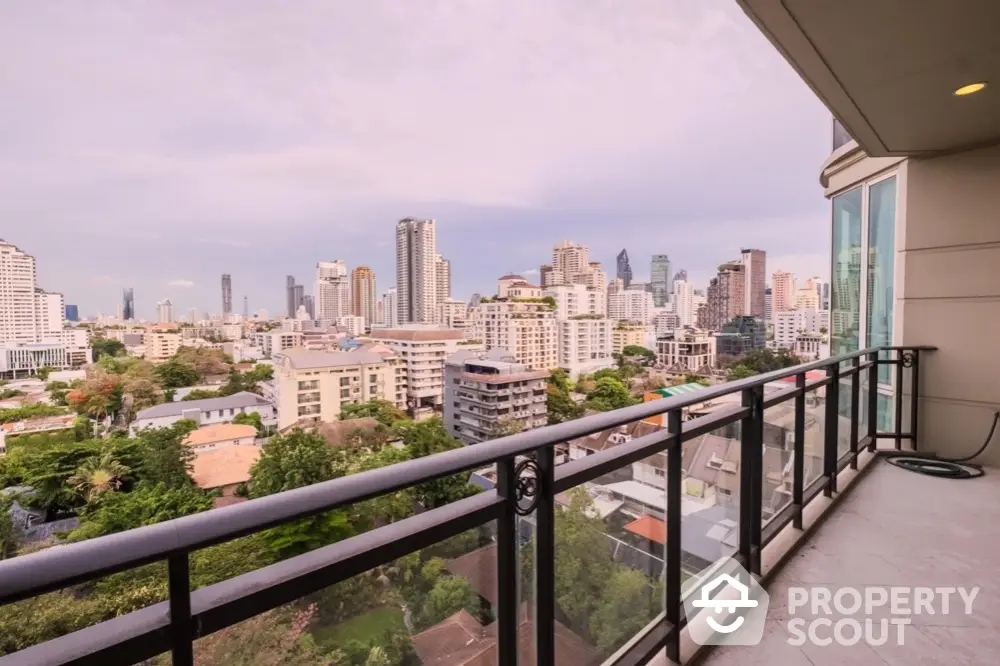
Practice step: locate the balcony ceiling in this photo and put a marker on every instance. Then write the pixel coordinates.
(887, 69)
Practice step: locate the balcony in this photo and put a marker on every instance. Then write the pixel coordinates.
(780, 490)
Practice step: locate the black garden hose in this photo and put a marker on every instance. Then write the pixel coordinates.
(944, 468)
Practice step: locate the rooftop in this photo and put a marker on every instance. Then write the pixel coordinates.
(219, 432)
(302, 359)
(234, 401)
(417, 334)
(227, 466)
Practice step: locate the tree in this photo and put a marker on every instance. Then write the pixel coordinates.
(44, 372)
(278, 637)
(35, 411)
(505, 427)
(97, 476)
(8, 538)
(200, 394)
(48, 471)
(165, 459)
(609, 394)
(174, 374)
(383, 411)
(104, 347)
(449, 595)
(251, 418)
(204, 360)
(619, 615)
(561, 406)
(426, 438)
(637, 350)
(740, 372)
(147, 504)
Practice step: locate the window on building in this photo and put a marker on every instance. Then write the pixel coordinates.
(881, 256)
(345, 381)
(345, 393)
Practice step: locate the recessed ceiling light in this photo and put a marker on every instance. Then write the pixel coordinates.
(970, 88)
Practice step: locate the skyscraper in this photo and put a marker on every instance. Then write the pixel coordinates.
(755, 274)
(309, 303)
(681, 275)
(568, 261)
(128, 304)
(299, 298)
(227, 294)
(416, 271)
(624, 268)
(390, 308)
(291, 305)
(659, 279)
(442, 276)
(782, 291)
(726, 296)
(332, 291)
(17, 295)
(683, 300)
(363, 294)
(72, 312)
(164, 312)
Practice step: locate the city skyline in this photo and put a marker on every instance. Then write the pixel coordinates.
(590, 155)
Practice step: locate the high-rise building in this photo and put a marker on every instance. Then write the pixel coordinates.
(246, 308)
(660, 279)
(332, 291)
(527, 330)
(50, 313)
(390, 309)
(755, 275)
(681, 275)
(739, 336)
(72, 312)
(782, 291)
(569, 260)
(363, 294)
(631, 305)
(164, 312)
(291, 304)
(726, 296)
(227, 294)
(768, 305)
(546, 276)
(193, 315)
(128, 304)
(683, 300)
(625, 268)
(823, 292)
(442, 278)
(807, 296)
(577, 299)
(309, 304)
(416, 270)
(18, 322)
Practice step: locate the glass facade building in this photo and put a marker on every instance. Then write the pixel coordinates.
(659, 279)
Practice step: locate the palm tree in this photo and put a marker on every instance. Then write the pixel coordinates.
(97, 476)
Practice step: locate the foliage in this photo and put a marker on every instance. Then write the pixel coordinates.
(7, 534)
(638, 350)
(25, 412)
(561, 406)
(251, 418)
(113, 384)
(609, 394)
(449, 595)
(505, 427)
(759, 361)
(44, 372)
(104, 347)
(618, 617)
(367, 628)
(165, 459)
(275, 638)
(204, 361)
(48, 471)
(10, 393)
(174, 374)
(98, 475)
(426, 438)
(246, 381)
(383, 411)
(83, 428)
(690, 378)
(200, 394)
(145, 505)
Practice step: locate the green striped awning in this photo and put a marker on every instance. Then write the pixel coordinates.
(679, 389)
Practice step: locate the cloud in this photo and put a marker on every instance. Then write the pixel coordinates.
(529, 271)
(180, 283)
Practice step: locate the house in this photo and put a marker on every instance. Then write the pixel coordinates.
(220, 435)
(224, 468)
(204, 412)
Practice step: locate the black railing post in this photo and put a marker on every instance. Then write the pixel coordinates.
(798, 451)
(508, 574)
(873, 401)
(181, 635)
(914, 397)
(898, 430)
(545, 562)
(855, 410)
(672, 554)
(830, 457)
(751, 478)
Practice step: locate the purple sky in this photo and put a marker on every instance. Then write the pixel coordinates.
(159, 144)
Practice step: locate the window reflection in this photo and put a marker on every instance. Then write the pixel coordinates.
(845, 297)
(881, 261)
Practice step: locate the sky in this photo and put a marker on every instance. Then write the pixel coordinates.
(160, 144)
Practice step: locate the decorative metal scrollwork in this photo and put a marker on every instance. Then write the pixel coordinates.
(907, 359)
(527, 486)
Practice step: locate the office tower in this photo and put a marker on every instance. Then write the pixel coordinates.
(363, 294)
(545, 276)
(823, 292)
(332, 291)
(291, 305)
(193, 315)
(681, 275)
(298, 298)
(625, 268)
(726, 296)
(416, 271)
(72, 313)
(309, 303)
(227, 294)
(768, 305)
(164, 312)
(442, 278)
(755, 275)
(128, 305)
(659, 279)
(246, 308)
(390, 308)
(569, 260)
(683, 300)
(17, 295)
(782, 291)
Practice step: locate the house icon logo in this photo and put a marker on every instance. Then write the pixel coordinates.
(725, 605)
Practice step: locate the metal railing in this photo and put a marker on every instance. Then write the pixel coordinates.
(173, 625)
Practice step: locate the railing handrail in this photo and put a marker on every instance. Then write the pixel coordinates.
(69, 564)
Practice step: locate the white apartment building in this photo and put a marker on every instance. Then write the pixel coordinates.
(788, 325)
(161, 346)
(627, 334)
(577, 299)
(485, 391)
(164, 312)
(353, 324)
(416, 271)
(665, 320)
(332, 291)
(423, 348)
(686, 351)
(808, 346)
(274, 342)
(807, 296)
(50, 315)
(453, 313)
(631, 305)
(526, 330)
(682, 300)
(442, 278)
(585, 344)
(389, 308)
(783, 290)
(17, 295)
(312, 386)
(570, 260)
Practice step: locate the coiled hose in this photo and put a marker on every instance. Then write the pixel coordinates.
(944, 468)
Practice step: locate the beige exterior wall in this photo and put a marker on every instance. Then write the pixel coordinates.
(625, 335)
(160, 346)
(319, 393)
